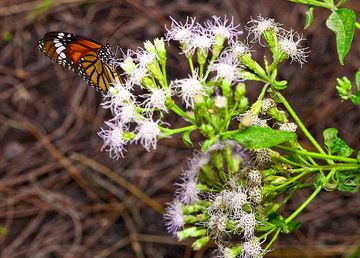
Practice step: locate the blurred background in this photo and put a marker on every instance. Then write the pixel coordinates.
(60, 196)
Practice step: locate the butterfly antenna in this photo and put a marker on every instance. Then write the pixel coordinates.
(121, 24)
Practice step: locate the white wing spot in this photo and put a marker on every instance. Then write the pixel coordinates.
(59, 50)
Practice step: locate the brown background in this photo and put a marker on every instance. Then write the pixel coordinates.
(57, 203)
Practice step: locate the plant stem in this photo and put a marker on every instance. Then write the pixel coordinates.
(181, 112)
(169, 132)
(191, 64)
(163, 68)
(330, 167)
(357, 25)
(318, 155)
(271, 242)
(208, 69)
(301, 125)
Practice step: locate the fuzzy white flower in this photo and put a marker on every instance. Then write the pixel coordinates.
(262, 157)
(246, 222)
(195, 164)
(136, 76)
(144, 57)
(147, 133)
(251, 249)
(260, 25)
(116, 97)
(249, 119)
(290, 44)
(290, 127)
(217, 225)
(220, 101)
(188, 88)
(201, 40)
(225, 252)
(255, 195)
(254, 177)
(174, 217)
(226, 67)
(235, 199)
(181, 32)
(114, 141)
(187, 192)
(156, 99)
(237, 49)
(126, 114)
(267, 104)
(225, 29)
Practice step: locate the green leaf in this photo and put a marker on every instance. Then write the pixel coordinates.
(309, 17)
(334, 144)
(356, 98)
(342, 23)
(348, 181)
(257, 137)
(357, 79)
(186, 138)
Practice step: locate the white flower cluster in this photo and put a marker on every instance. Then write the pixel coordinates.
(233, 205)
(289, 41)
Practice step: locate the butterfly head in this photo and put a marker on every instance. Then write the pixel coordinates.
(105, 54)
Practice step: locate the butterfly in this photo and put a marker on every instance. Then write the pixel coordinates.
(84, 56)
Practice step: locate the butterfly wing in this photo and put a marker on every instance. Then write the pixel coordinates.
(81, 55)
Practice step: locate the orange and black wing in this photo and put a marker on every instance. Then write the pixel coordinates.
(81, 55)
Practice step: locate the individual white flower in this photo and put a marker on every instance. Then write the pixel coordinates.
(127, 64)
(225, 252)
(254, 177)
(225, 29)
(262, 157)
(147, 133)
(251, 249)
(218, 203)
(217, 225)
(249, 119)
(114, 141)
(245, 222)
(201, 40)
(260, 25)
(126, 114)
(144, 57)
(181, 32)
(188, 88)
(187, 191)
(235, 199)
(116, 97)
(238, 49)
(136, 76)
(195, 164)
(290, 44)
(226, 67)
(290, 127)
(255, 194)
(267, 104)
(156, 99)
(220, 101)
(174, 217)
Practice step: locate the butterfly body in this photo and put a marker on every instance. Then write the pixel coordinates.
(82, 55)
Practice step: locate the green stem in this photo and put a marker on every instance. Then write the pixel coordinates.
(291, 180)
(318, 155)
(271, 242)
(163, 69)
(208, 69)
(310, 198)
(338, 167)
(191, 64)
(316, 3)
(169, 132)
(175, 108)
(301, 125)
